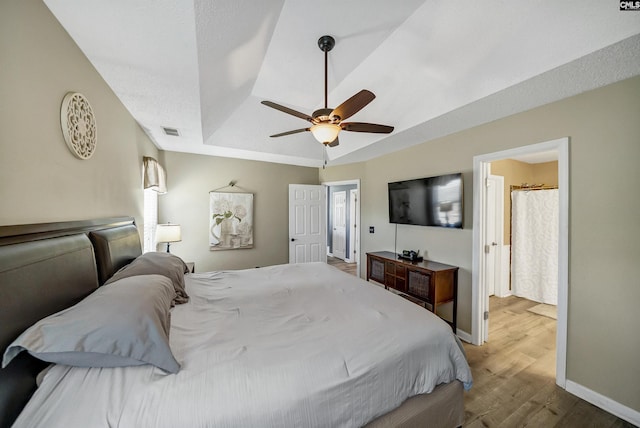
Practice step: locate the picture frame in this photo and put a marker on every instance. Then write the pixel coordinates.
(230, 221)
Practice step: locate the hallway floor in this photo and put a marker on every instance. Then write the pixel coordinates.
(351, 268)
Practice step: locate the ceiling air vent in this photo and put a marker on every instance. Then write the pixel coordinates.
(171, 131)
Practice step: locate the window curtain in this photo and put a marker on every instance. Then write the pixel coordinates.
(154, 177)
(154, 183)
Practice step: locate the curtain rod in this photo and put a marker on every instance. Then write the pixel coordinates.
(525, 186)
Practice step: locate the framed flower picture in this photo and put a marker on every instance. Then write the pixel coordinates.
(230, 220)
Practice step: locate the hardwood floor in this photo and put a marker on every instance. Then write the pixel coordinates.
(351, 268)
(514, 375)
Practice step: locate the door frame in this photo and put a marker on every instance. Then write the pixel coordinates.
(354, 237)
(355, 182)
(481, 167)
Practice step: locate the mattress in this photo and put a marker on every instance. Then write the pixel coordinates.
(282, 346)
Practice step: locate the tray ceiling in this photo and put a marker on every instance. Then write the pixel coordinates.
(437, 67)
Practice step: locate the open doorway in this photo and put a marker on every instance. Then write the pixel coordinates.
(522, 262)
(481, 263)
(522, 209)
(343, 218)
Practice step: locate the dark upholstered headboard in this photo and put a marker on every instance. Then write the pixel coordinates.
(45, 268)
(115, 248)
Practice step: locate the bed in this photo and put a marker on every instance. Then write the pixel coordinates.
(289, 345)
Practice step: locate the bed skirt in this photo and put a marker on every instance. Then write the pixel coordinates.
(443, 408)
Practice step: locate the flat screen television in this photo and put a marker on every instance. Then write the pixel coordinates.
(430, 201)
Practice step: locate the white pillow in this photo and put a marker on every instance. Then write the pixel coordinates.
(123, 324)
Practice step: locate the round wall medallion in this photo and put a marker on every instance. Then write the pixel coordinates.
(78, 125)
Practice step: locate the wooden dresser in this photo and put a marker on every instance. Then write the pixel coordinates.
(427, 283)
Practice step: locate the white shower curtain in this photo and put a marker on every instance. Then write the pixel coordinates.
(534, 245)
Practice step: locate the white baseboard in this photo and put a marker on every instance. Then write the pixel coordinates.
(623, 412)
(463, 335)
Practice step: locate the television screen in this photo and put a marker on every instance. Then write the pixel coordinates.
(431, 201)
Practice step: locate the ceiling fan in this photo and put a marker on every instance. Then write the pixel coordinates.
(327, 123)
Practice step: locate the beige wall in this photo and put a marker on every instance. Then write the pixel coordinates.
(191, 177)
(604, 131)
(40, 180)
(517, 173)
(545, 173)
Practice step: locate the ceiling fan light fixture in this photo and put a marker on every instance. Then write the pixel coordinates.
(325, 133)
(326, 122)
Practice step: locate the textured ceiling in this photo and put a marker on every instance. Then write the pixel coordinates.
(436, 67)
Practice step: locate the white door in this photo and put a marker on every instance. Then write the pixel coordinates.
(339, 233)
(493, 233)
(307, 224)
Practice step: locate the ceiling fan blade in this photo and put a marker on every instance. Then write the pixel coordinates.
(295, 131)
(366, 127)
(334, 143)
(287, 110)
(353, 104)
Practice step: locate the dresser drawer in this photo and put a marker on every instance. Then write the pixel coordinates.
(419, 284)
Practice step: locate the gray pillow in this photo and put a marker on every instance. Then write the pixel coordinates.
(173, 267)
(124, 324)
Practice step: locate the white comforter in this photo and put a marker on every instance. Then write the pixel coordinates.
(283, 346)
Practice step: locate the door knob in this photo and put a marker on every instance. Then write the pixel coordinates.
(293, 239)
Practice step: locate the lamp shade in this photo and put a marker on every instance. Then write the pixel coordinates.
(325, 133)
(168, 233)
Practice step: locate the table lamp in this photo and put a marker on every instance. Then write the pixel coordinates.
(168, 233)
